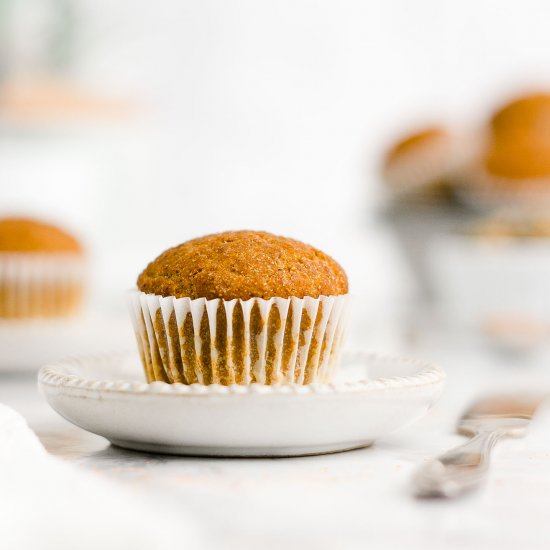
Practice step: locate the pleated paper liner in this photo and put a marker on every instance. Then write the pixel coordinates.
(275, 341)
(486, 192)
(36, 285)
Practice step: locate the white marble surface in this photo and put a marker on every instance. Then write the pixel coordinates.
(356, 499)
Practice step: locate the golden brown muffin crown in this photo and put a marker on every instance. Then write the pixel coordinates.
(519, 146)
(410, 142)
(27, 235)
(526, 118)
(243, 264)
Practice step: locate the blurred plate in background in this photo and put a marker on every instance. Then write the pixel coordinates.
(28, 344)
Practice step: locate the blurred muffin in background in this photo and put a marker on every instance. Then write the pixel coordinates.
(513, 169)
(41, 270)
(526, 118)
(418, 166)
(418, 172)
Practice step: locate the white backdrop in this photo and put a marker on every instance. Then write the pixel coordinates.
(257, 114)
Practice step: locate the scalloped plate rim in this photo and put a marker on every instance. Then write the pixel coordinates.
(247, 421)
(58, 374)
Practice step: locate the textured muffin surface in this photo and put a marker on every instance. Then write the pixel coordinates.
(26, 235)
(244, 265)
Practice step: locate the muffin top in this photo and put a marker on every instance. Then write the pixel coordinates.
(519, 144)
(243, 264)
(27, 235)
(529, 113)
(524, 121)
(413, 141)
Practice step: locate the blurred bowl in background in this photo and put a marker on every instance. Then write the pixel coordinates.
(419, 171)
(416, 226)
(439, 181)
(493, 281)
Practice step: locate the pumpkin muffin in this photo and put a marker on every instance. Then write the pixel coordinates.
(240, 307)
(514, 168)
(419, 164)
(519, 144)
(525, 119)
(517, 162)
(41, 270)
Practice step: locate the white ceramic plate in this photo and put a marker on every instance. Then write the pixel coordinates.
(374, 396)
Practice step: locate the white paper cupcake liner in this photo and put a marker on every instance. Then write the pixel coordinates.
(275, 341)
(40, 285)
(483, 191)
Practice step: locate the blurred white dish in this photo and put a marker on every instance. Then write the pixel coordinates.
(497, 287)
(100, 394)
(26, 345)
